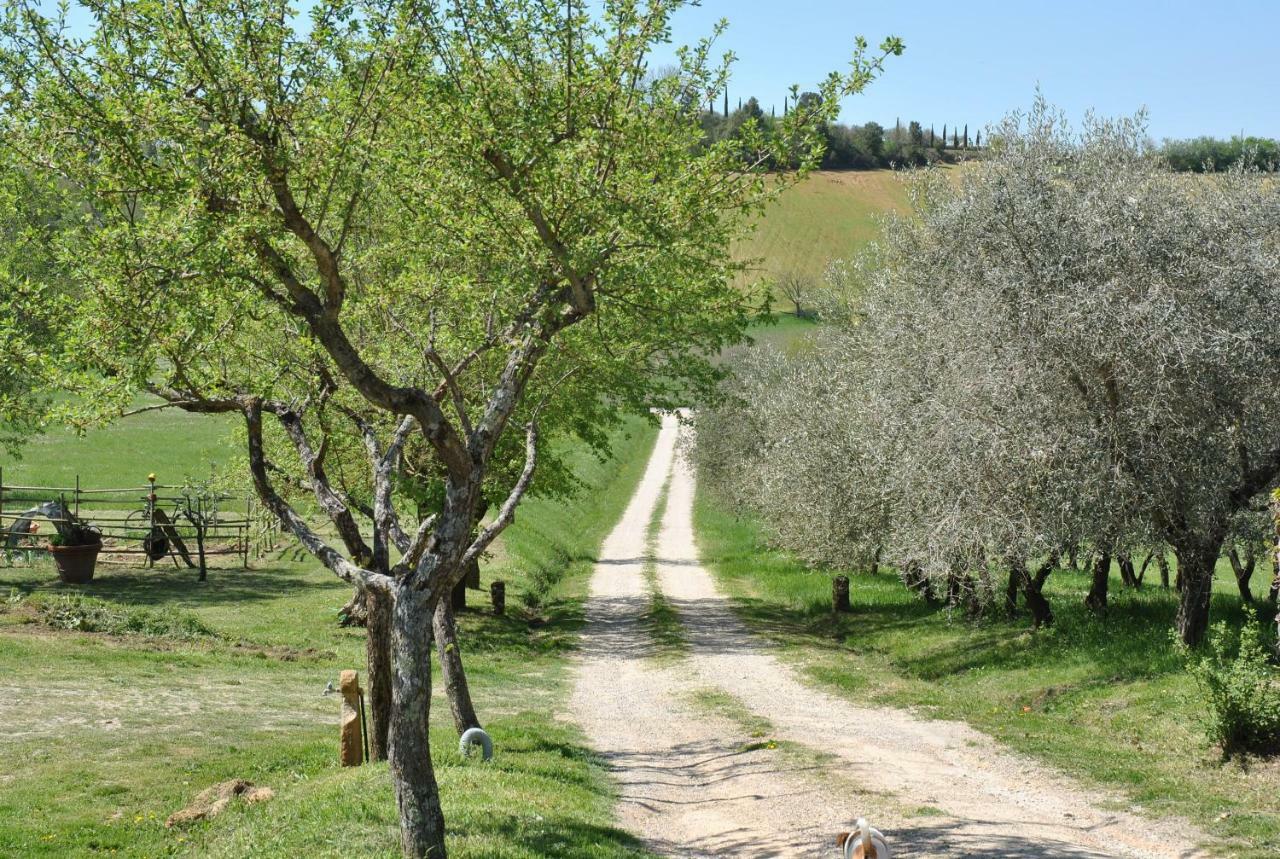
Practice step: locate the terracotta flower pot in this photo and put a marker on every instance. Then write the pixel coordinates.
(76, 563)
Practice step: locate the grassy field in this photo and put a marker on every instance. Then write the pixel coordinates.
(106, 735)
(1107, 700)
(829, 216)
(172, 443)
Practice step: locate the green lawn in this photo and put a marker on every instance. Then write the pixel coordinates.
(829, 216)
(106, 736)
(1107, 700)
(173, 444)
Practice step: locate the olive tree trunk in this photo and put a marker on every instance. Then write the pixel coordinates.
(1096, 599)
(1196, 562)
(412, 774)
(1243, 568)
(1032, 589)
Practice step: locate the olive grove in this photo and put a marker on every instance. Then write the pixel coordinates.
(407, 243)
(1068, 348)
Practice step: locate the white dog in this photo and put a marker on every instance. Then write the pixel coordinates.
(863, 843)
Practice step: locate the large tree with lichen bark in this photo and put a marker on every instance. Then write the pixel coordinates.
(443, 229)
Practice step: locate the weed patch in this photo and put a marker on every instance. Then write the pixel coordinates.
(79, 613)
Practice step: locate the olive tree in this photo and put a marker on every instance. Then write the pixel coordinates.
(444, 226)
(1069, 344)
(1135, 297)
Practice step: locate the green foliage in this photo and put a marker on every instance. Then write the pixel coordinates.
(452, 189)
(1212, 155)
(1240, 688)
(73, 531)
(87, 614)
(33, 302)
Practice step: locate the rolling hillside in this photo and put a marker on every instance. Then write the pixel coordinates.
(829, 216)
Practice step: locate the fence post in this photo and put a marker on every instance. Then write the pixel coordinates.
(840, 594)
(77, 496)
(151, 517)
(199, 523)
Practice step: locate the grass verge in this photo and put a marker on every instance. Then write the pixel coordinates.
(1104, 699)
(107, 734)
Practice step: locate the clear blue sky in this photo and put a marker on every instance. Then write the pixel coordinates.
(1198, 67)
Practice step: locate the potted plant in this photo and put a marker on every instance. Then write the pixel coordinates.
(75, 548)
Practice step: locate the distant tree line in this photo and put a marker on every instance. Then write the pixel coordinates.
(1212, 155)
(848, 147)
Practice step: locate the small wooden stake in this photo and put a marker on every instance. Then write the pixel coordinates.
(840, 594)
(498, 592)
(350, 739)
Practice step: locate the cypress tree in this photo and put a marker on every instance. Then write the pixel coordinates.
(930, 135)
(977, 143)
(966, 135)
(726, 103)
(944, 135)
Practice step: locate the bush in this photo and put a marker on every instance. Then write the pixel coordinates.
(1241, 691)
(86, 614)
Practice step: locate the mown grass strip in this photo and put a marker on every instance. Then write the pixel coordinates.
(114, 733)
(661, 620)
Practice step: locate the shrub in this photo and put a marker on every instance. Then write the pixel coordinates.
(86, 614)
(1241, 691)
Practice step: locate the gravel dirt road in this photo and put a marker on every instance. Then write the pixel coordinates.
(721, 749)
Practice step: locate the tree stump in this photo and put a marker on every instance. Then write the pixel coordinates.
(840, 594)
(350, 735)
(498, 592)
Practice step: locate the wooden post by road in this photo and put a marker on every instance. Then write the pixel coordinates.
(840, 594)
(350, 737)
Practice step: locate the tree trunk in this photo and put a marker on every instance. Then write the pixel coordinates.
(1041, 612)
(1096, 599)
(378, 653)
(412, 773)
(1032, 588)
(1163, 561)
(455, 677)
(1244, 574)
(1011, 589)
(1196, 560)
(355, 612)
(918, 581)
(1128, 574)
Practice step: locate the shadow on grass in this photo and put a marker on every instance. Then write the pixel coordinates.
(172, 587)
(1130, 641)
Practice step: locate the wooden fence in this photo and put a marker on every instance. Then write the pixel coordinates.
(146, 522)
